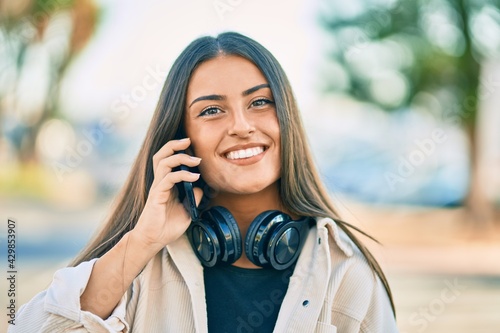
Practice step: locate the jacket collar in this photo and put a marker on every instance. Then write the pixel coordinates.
(340, 238)
(315, 258)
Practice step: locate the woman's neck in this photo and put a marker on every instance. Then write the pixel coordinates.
(245, 207)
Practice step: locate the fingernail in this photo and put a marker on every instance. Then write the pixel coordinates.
(185, 139)
(195, 158)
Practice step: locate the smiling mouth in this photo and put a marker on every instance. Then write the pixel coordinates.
(245, 153)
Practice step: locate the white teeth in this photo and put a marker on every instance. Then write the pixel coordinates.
(244, 153)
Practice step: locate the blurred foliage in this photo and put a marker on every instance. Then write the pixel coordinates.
(38, 40)
(12, 11)
(420, 53)
(26, 181)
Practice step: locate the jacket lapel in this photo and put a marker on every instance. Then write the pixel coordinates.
(192, 272)
(307, 289)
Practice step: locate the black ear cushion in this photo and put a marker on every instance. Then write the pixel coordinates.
(205, 243)
(224, 224)
(258, 235)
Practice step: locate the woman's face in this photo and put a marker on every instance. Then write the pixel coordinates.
(232, 122)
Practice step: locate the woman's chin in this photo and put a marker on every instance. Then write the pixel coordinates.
(246, 188)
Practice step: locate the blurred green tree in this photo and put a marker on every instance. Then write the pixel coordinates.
(411, 53)
(38, 40)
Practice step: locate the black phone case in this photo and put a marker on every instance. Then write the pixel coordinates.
(185, 189)
(186, 196)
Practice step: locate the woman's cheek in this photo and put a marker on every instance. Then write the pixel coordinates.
(208, 174)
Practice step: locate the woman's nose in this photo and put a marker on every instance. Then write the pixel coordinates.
(241, 124)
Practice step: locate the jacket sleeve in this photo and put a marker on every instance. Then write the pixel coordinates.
(57, 309)
(380, 317)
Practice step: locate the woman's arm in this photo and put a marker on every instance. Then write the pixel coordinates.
(90, 296)
(162, 221)
(57, 309)
(114, 272)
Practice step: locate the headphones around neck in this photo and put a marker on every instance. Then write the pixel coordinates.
(273, 238)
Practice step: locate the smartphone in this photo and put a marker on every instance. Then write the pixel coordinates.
(185, 189)
(186, 195)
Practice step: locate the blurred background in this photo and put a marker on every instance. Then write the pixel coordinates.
(401, 104)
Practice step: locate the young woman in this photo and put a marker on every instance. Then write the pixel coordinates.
(275, 256)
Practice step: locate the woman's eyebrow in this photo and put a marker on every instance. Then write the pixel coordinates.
(215, 97)
(208, 98)
(254, 89)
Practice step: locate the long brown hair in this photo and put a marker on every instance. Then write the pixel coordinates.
(301, 189)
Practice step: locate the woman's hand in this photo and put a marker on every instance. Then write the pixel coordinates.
(164, 218)
(162, 221)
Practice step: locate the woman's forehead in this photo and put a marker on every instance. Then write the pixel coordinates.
(225, 73)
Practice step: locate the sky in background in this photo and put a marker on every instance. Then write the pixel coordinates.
(124, 66)
(135, 38)
(118, 77)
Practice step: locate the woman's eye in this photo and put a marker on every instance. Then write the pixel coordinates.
(210, 111)
(261, 102)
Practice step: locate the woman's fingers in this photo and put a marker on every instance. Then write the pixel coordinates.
(163, 219)
(167, 159)
(169, 149)
(166, 165)
(163, 188)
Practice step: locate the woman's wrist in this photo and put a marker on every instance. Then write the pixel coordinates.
(142, 247)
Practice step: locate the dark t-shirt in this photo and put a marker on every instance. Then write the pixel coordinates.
(242, 300)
